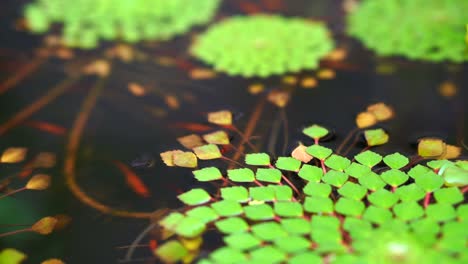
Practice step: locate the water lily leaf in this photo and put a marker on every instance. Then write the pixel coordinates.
(236, 193)
(282, 192)
(300, 154)
(194, 197)
(292, 244)
(288, 209)
(383, 198)
(357, 170)
(394, 177)
(410, 193)
(296, 226)
(38, 182)
(353, 191)
(11, 256)
(184, 159)
(317, 189)
(268, 175)
(365, 119)
(375, 137)
(232, 225)
(418, 170)
(454, 175)
(268, 231)
(368, 158)
(13, 155)
(259, 212)
(440, 212)
(350, 207)
(376, 214)
(241, 175)
(191, 141)
(335, 178)
(171, 221)
(171, 251)
(204, 213)
(207, 152)
(381, 111)
(317, 204)
(337, 162)
(190, 227)
(263, 193)
(319, 152)
(396, 160)
(228, 255)
(315, 131)
(257, 159)
(242, 241)
(431, 147)
(219, 137)
(310, 173)
(267, 254)
(288, 163)
(223, 118)
(45, 225)
(430, 181)
(372, 181)
(227, 208)
(305, 257)
(407, 211)
(451, 195)
(208, 174)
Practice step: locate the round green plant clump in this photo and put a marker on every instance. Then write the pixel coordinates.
(86, 22)
(263, 45)
(431, 30)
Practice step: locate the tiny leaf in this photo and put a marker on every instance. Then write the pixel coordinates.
(223, 118)
(13, 155)
(319, 152)
(357, 170)
(310, 173)
(350, 207)
(372, 181)
(241, 175)
(383, 198)
(337, 162)
(317, 189)
(296, 226)
(190, 227)
(184, 159)
(208, 174)
(318, 205)
(204, 213)
(257, 159)
(288, 163)
(259, 212)
(431, 147)
(410, 193)
(236, 193)
(242, 241)
(408, 211)
(191, 141)
(429, 182)
(440, 212)
(268, 231)
(268, 175)
(353, 191)
(375, 137)
(207, 152)
(394, 177)
(44, 226)
(300, 154)
(315, 131)
(450, 195)
(335, 178)
(292, 244)
(171, 251)
(232, 225)
(228, 255)
(263, 193)
(376, 214)
(194, 197)
(38, 182)
(267, 254)
(227, 208)
(219, 137)
(381, 111)
(396, 161)
(282, 192)
(288, 209)
(11, 256)
(368, 158)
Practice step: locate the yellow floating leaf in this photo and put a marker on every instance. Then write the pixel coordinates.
(309, 82)
(451, 152)
(279, 98)
(290, 80)
(168, 157)
(223, 117)
(365, 119)
(431, 147)
(45, 160)
(448, 89)
(185, 159)
(218, 137)
(256, 88)
(300, 153)
(53, 261)
(192, 244)
(172, 101)
(191, 141)
(11, 256)
(13, 155)
(326, 74)
(202, 74)
(44, 226)
(38, 182)
(381, 111)
(136, 89)
(375, 137)
(207, 152)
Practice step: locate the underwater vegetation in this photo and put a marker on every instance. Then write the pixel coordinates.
(430, 30)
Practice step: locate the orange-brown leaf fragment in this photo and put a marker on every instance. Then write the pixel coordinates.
(219, 137)
(309, 82)
(300, 153)
(13, 155)
(326, 74)
(168, 157)
(136, 89)
(365, 119)
(451, 152)
(202, 74)
(191, 141)
(207, 152)
(53, 261)
(279, 98)
(431, 147)
(38, 182)
(185, 159)
(45, 225)
(223, 118)
(256, 88)
(381, 111)
(448, 89)
(337, 54)
(172, 101)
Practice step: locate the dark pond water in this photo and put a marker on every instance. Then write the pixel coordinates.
(120, 129)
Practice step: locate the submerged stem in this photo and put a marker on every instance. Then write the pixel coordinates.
(348, 137)
(24, 72)
(13, 192)
(16, 232)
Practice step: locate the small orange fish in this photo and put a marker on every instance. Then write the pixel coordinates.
(47, 127)
(133, 181)
(194, 127)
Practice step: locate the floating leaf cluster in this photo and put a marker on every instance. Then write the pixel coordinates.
(370, 209)
(431, 30)
(86, 23)
(263, 45)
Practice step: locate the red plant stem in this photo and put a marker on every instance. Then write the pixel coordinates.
(394, 188)
(348, 137)
(16, 232)
(316, 141)
(244, 138)
(258, 183)
(287, 181)
(231, 160)
(22, 74)
(427, 199)
(464, 190)
(13, 192)
(322, 163)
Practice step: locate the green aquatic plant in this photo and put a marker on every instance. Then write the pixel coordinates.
(371, 208)
(431, 30)
(263, 45)
(86, 23)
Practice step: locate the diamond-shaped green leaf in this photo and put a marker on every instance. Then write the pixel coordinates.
(455, 229)
(11, 256)
(437, 164)
(325, 222)
(337, 162)
(357, 170)
(232, 225)
(425, 225)
(353, 191)
(315, 131)
(227, 208)
(268, 231)
(375, 137)
(190, 227)
(376, 214)
(204, 213)
(305, 257)
(241, 175)
(317, 189)
(288, 163)
(383, 198)
(350, 207)
(440, 212)
(396, 160)
(418, 170)
(326, 236)
(259, 212)
(318, 204)
(268, 175)
(296, 226)
(257, 159)
(170, 222)
(208, 174)
(462, 212)
(368, 158)
(410, 193)
(235, 193)
(292, 244)
(394, 177)
(264, 193)
(282, 192)
(227, 255)
(408, 211)
(430, 181)
(319, 152)
(194, 197)
(335, 178)
(310, 173)
(372, 181)
(171, 251)
(354, 226)
(288, 209)
(267, 254)
(242, 241)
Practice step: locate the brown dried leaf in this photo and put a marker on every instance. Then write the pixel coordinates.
(326, 74)
(172, 101)
(431, 147)
(223, 117)
(202, 74)
(45, 160)
(309, 82)
(45, 225)
(207, 152)
(191, 141)
(185, 159)
(381, 111)
(53, 261)
(38, 182)
(13, 155)
(451, 152)
(218, 137)
(168, 157)
(256, 88)
(300, 153)
(136, 89)
(365, 119)
(279, 98)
